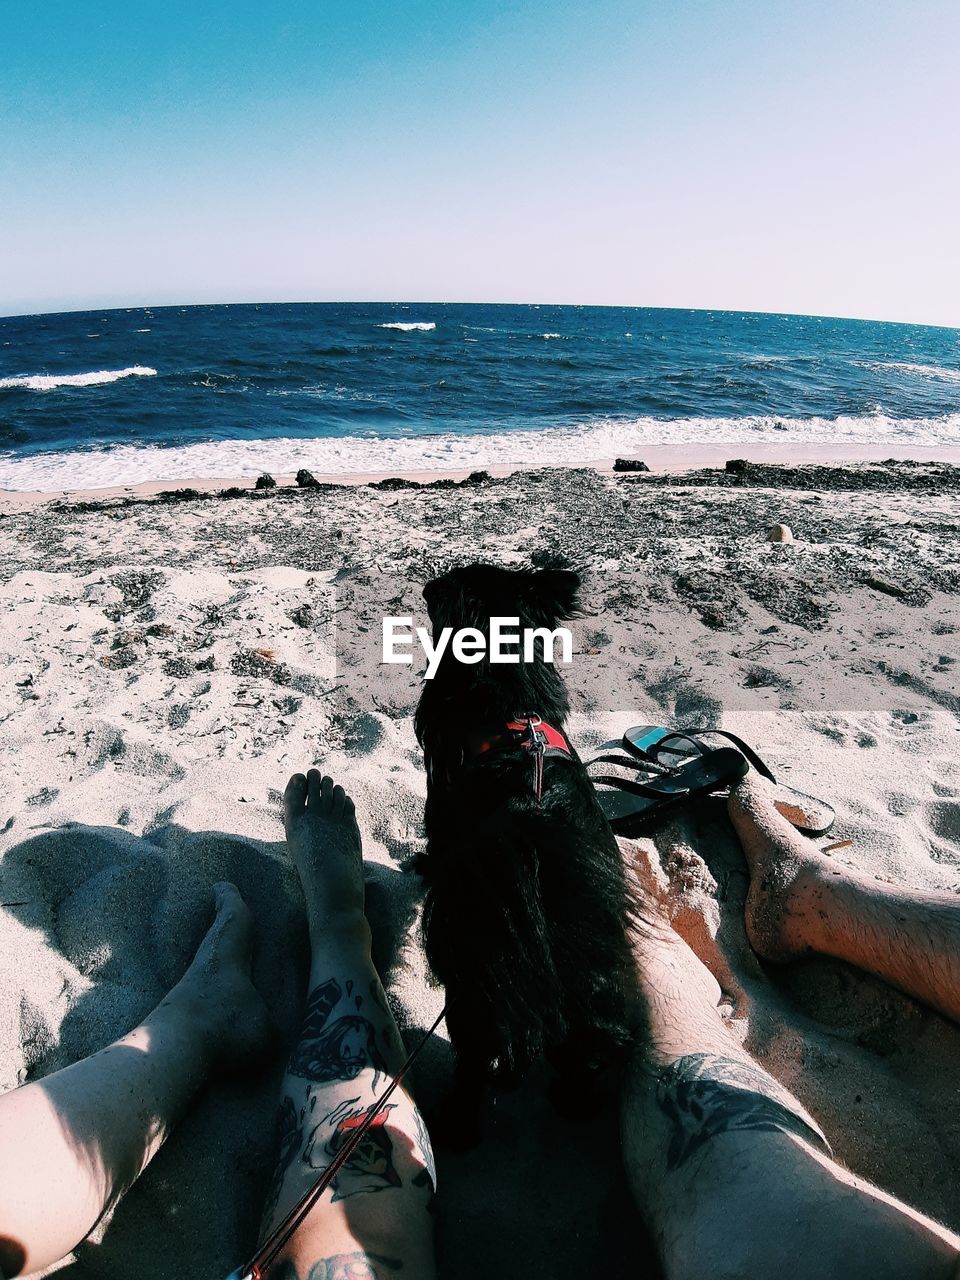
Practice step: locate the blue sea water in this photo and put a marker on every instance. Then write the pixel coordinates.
(106, 397)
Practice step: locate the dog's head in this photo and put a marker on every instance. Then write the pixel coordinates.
(485, 692)
(470, 596)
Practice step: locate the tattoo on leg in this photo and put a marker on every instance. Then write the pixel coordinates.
(340, 1050)
(338, 1043)
(705, 1094)
(354, 1266)
(370, 1166)
(321, 1002)
(345, 1266)
(426, 1149)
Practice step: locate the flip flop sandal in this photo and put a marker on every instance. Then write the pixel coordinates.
(630, 807)
(656, 747)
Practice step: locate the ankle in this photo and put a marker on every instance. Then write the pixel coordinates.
(188, 1017)
(803, 890)
(341, 936)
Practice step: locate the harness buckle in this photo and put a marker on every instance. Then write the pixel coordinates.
(536, 745)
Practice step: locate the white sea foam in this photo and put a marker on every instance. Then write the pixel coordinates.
(551, 335)
(561, 446)
(49, 381)
(770, 362)
(408, 326)
(935, 371)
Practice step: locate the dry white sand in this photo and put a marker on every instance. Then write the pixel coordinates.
(165, 667)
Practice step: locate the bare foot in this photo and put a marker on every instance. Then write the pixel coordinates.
(216, 989)
(785, 874)
(324, 843)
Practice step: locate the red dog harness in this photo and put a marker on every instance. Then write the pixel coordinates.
(534, 736)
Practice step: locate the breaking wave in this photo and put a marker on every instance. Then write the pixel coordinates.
(408, 326)
(937, 372)
(445, 451)
(50, 381)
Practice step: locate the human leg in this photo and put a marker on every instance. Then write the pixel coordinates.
(374, 1221)
(801, 902)
(732, 1175)
(72, 1143)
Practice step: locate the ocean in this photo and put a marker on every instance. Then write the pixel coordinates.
(168, 393)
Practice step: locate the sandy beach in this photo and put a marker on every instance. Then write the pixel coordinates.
(169, 656)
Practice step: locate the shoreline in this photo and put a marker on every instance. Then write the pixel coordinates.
(660, 460)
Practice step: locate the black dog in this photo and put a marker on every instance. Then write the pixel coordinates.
(527, 909)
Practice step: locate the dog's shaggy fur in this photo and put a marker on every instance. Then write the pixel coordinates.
(527, 908)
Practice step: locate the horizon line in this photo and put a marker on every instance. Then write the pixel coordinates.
(380, 302)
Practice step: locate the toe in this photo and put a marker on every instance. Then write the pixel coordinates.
(338, 798)
(326, 791)
(313, 788)
(294, 798)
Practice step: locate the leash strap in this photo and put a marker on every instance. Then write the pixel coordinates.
(271, 1248)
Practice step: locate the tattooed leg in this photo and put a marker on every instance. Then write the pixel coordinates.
(343, 1266)
(733, 1176)
(373, 1221)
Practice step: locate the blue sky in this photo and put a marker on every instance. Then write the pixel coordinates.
(740, 154)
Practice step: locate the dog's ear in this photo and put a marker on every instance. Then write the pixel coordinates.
(439, 594)
(555, 593)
